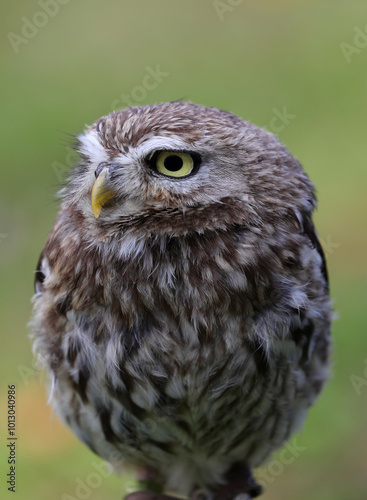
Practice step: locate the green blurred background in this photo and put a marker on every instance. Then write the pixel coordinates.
(259, 59)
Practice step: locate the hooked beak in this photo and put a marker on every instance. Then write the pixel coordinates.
(102, 192)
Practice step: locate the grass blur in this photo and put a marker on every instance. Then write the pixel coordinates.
(255, 59)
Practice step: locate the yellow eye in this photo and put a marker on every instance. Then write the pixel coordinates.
(174, 164)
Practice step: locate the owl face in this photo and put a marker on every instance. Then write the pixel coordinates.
(181, 156)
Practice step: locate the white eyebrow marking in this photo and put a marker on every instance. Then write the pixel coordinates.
(173, 142)
(91, 147)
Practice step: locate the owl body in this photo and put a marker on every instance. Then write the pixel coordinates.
(184, 320)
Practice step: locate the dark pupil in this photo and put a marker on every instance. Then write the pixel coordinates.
(173, 163)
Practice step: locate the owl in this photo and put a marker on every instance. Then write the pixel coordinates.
(182, 307)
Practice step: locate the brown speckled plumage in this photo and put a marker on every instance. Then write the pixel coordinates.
(186, 329)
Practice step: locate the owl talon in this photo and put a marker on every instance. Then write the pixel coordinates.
(147, 495)
(241, 485)
(201, 495)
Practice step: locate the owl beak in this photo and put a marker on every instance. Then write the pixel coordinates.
(102, 192)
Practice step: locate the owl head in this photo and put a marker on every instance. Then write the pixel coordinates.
(182, 167)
